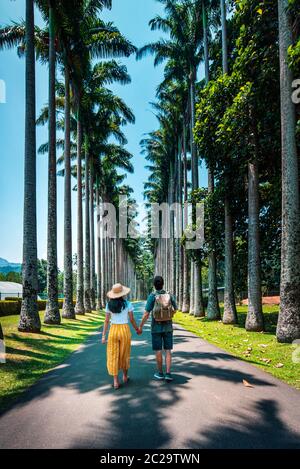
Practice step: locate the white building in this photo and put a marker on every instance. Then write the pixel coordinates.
(10, 289)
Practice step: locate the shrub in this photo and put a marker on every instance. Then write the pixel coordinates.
(13, 298)
(8, 308)
(41, 305)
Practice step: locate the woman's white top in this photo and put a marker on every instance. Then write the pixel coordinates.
(122, 317)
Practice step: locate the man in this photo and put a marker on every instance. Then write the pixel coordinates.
(162, 331)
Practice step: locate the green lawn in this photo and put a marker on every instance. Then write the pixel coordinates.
(28, 356)
(260, 349)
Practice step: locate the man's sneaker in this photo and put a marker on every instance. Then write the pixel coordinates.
(168, 377)
(159, 376)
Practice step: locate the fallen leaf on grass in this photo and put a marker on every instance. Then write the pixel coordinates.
(263, 345)
(279, 365)
(266, 360)
(247, 385)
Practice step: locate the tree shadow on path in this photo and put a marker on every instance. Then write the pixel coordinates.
(266, 431)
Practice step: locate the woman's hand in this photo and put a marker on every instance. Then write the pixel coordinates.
(103, 340)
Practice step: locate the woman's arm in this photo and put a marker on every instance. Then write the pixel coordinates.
(105, 327)
(132, 320)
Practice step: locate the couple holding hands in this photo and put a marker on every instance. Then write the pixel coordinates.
(120, 311)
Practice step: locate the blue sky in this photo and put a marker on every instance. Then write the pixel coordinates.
(131, 17)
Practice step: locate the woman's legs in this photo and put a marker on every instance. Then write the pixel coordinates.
(113, 352)
(125, 347)
(125, 376)
(116, 382)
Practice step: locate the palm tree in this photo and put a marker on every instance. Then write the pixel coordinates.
(213, 310)
(79, 308)
(29, 317)
(68, 308)
(183, 53)
(288, 327)
(230, 313)
(255, 319)
(52, 315)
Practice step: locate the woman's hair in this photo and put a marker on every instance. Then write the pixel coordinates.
(116, 305)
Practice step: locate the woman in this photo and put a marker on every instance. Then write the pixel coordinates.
(118, 312)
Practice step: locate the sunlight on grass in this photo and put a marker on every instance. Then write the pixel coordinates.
(260, 349)
(28, 356)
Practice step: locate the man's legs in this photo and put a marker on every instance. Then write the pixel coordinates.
(168, 360)
(159, 360)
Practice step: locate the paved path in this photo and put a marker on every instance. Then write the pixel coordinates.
(207, 406)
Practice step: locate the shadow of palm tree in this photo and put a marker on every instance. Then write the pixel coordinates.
(265, 430)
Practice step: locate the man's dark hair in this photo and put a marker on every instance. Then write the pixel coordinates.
(158, 282)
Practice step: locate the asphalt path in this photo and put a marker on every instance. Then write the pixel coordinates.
(207, 405)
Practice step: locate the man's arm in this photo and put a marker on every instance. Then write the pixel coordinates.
(144, 320)
(174, 304)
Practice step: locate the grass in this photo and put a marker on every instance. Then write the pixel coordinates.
(29, 356)
(260, 349)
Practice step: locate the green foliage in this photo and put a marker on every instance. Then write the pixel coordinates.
(42, 276)
(259, 349)
(7, 308)
(238, 120)
(15, 277)
(29, 357)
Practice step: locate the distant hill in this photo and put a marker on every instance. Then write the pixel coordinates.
(6, 266)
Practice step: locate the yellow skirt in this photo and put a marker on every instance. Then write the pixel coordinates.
(118, 348)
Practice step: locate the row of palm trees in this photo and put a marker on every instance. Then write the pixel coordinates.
(172, 150)
(89, 115)
(186, 48)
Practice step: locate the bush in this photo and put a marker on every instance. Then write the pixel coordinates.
(8, 308)
(13, 298)
(41, 305)
(13, 306)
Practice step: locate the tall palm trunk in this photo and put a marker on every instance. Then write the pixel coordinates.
(288, 327)
(92, 220)
(103, 271)
(230, 313)
(196, 277)
(186, 283)
(68, 309)
(171, 254)
(79, 309)
(179, 221)
(213, 310)
(52, 315)
(98, 244)
(29, 317)
(255, 320)
(87, 266)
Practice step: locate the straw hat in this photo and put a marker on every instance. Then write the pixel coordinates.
(118, 291)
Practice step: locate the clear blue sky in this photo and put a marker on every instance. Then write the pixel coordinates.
(131, 17)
